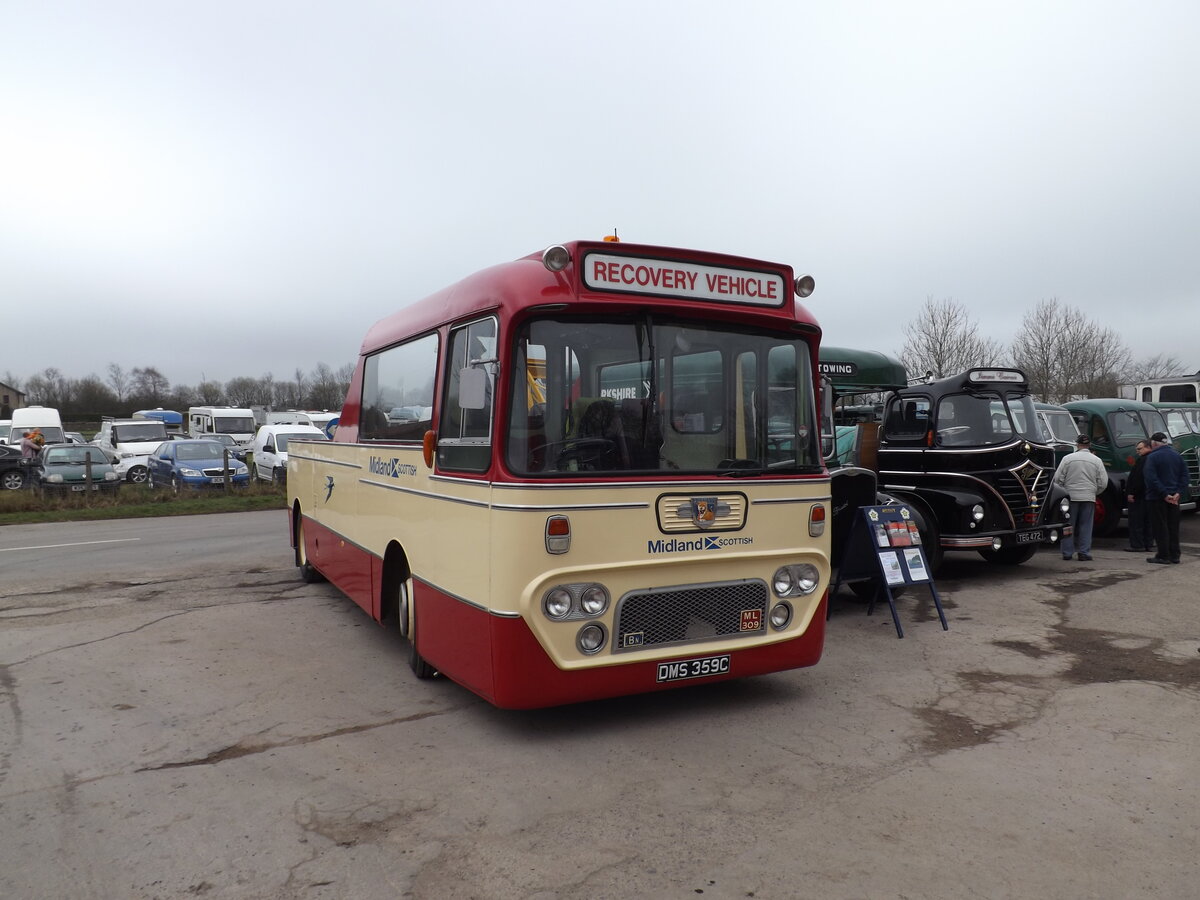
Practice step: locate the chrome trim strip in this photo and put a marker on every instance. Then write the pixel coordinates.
(577, 506)
(406, 490)
(711, 485)
(331, 462)
(764, 500)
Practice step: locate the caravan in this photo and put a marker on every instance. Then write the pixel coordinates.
(231, 420)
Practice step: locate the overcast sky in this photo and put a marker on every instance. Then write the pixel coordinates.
(235, 188)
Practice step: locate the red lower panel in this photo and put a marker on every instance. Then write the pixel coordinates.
(352, 570)
(500, 659)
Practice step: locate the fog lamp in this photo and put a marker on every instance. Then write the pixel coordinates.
(591, 637)
(997, 543)
(781, 615)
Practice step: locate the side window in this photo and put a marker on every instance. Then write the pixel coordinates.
(1099, 431)
(465, 433)
(907, 419)
(397, 398)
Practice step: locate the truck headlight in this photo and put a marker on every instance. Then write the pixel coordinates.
(795, 580)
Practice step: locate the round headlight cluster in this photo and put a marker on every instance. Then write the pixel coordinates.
(977, 512)
(795, 580)
(1064, 506)
(575, 601)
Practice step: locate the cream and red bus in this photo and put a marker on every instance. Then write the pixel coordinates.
(614, 483)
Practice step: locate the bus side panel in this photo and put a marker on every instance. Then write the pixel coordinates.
(526, 678)
(347, 567)
(455, 638)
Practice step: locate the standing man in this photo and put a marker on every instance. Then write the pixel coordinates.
(1141, 527)
(1166, 483)
(1083, 476)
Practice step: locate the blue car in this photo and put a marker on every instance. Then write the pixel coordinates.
(194, 464)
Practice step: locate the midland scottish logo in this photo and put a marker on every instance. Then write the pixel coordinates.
(690, 545)
(390, 468)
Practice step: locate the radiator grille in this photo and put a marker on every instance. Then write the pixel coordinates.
(1024, 500)
(689, 614)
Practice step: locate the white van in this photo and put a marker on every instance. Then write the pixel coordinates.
(270, 448)
(43, 418)
(229, 420)
(288, 417)
(131, 441)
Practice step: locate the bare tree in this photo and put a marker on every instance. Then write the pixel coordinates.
(49, 388)
(1065, 355)
(149, 385)
(209, 392)
(943, 341)
(118, 380)
(242, 391)
(327, 389)
(1152, 368)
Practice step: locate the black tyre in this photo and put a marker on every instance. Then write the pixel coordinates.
(137, 475)
(12, 480)
(308, 572)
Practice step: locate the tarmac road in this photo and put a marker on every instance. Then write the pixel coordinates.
(181, 717)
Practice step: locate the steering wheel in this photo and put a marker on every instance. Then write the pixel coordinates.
(585, 452)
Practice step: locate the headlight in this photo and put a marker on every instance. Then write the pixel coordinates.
(591, 637)
(581, 600)
(191, 473)
(557, 603)
(239, 469)
(781, 615)
(1065, 506)
(111, 476)
(790, 581)
(977, 512)
(594, 600)
(54, 479)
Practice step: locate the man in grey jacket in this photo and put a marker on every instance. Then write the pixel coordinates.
(1083, 476)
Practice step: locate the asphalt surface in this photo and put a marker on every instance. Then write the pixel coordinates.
(180, 716)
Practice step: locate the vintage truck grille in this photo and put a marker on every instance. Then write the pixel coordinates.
(689, 614)
(1192, 458)
(1016, 498)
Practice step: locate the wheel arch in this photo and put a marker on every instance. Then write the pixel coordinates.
(396, 569)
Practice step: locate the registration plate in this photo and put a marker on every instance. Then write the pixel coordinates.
(84, 487)
(217, 479)
(693, 668)
(1031, 537)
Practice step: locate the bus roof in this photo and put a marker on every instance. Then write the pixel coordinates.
(528, 282)
(861, 371)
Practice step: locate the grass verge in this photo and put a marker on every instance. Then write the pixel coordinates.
(134, 501)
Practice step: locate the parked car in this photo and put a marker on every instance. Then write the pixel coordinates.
(12, 472)
(74, 437)
(193, 464)
(235, 449)
(271, 445)
(74, 468)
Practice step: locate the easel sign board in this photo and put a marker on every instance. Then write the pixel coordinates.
(885, 545)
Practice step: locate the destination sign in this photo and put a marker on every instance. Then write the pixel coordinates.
(692, 281)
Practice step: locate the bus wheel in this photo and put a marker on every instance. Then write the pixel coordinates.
(1107, 514)
(1010, 556)
(416, 661)
(308, 574)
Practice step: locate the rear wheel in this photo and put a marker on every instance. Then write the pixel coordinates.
(402, 616)
(308, 573)
(137, 475)
(13, 480)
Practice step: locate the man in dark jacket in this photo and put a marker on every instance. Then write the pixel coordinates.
(1141, 526)
(1166, 483)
